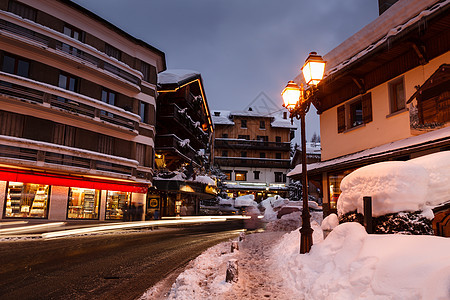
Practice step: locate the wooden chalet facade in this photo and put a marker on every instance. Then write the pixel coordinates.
(252, 148)
(386, 94)
(183, 140)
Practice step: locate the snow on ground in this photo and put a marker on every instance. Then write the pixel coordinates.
(397, 186)
(245, 201)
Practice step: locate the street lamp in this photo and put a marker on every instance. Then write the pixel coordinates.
(298, 101)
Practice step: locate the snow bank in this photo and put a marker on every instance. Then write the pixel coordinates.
(205, 180)
(271, 205)
(397, 186)
(244, 201)
(350, 264)
(330, 222)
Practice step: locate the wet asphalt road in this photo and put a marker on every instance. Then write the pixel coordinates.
(111, 266)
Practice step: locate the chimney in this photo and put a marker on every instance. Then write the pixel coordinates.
(383, 5)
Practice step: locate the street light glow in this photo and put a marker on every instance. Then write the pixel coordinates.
(313, 69)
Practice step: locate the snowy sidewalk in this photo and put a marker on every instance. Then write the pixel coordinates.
(257, 280)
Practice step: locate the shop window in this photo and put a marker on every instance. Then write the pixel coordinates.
(83, 204)
(240, 176)
(15, 65)
(228, 175)
(256, 174)
(397, 95)
(334, 185)
(27, 200)
(25, 11)
(278, 177)
(117, 204)
(243, 123)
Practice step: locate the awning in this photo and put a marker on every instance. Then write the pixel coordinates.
(29, 176)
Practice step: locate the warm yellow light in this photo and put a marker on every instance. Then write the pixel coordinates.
(291, 95)
(313, 69)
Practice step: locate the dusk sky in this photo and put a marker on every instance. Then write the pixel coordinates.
(241, 47)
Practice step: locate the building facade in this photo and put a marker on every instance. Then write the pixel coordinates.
(77, 113)
(386, 94)
(253, 149)
(183, 145)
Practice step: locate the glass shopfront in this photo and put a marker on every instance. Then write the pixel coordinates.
(117, 204)
(83, 203)
(334, 185)
(27, 200)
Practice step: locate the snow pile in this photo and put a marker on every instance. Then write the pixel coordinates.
(176, 76)
(226, 201)
(271, 205)
(330, 222)
(245, 201)
(205, 179)
(292, 221)
(350, 264)
(397, 186)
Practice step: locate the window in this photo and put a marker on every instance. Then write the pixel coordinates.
(278, 155)
(145, 70)
(256, 174)
(240, 175)
(225, 135)
(356, 114)
(25, 11)
(105, 144)
(278, 177)
(112, 51)
(278, 139)
(262, 125)
(243, 137)
(397, 95)
(15, 65)
(109, 97)
(75, 34)
(262, 138)
(243, 153)
(117, 204)
(68, 82)
(243, 123)
(262, 155)
(359, 112)
(227, 174)
(83, 203)
(141, 155)
(27, 200)
(143, 112)
(225, 153)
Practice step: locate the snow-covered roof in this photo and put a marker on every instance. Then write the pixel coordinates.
(443, 133)
(400, 16)
(311, 148)
(176, 76)
(221, 117)
(280, 122)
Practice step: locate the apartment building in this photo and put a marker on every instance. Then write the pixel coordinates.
(77, 113)
(252, 148)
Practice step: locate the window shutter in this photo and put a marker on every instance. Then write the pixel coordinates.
(341, 118)
(367, 108)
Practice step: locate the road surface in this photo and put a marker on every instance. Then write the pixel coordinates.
(120, 265)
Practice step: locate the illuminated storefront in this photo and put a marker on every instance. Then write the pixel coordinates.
(83, 204)
(117, 205)
(26, 200)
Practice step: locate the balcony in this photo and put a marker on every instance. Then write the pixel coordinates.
(170, 142)
(50, 39)
(252, 162)
(29, 153)
(170, 112)
(57, 99)
(223, 143)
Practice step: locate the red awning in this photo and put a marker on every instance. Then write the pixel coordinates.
(27, 176)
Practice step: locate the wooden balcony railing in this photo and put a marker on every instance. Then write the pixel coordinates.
(252, 162)
(220, 143)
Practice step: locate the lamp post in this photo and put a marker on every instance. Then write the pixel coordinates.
(298, 101)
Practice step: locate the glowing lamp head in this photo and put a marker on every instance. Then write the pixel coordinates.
(313, 69)
(291, 95)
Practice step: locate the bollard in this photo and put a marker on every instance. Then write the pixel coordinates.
(367, 201)
(234, 246)
(232, 271)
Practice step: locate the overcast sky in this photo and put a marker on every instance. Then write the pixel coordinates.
(241, 47)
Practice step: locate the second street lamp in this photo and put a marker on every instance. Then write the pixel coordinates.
(298, 101)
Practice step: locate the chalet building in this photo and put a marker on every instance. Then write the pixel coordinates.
(77, 113)
(183, 140)
(386, 94)
(252, 148)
